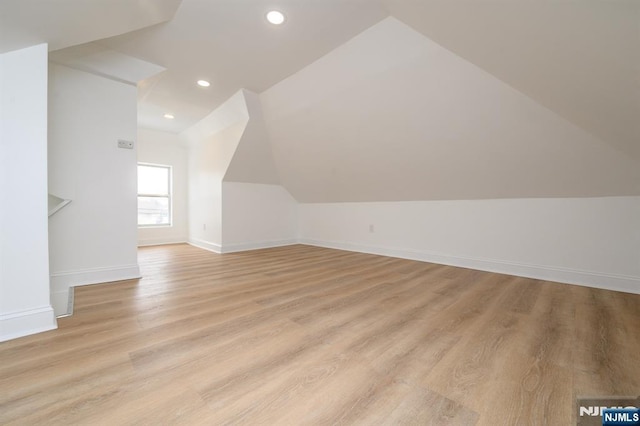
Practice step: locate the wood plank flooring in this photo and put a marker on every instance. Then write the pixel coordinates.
(306, 335)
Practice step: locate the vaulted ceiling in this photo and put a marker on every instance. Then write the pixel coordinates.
(64, 23)
(392, 116)
(576, 63)
(579, 59)
(230, 44)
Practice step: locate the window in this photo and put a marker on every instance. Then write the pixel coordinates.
(154, 195)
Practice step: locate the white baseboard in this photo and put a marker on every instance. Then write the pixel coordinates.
(160, 241)
(606, 281)
(25, 323)
(205, 245)
(61, 282)
(233, 248)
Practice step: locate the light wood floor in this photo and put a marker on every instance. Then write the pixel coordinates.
(306, 335)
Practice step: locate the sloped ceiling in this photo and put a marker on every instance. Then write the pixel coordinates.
(447, 99)
(247, 155)
(230, 43)
(95, 59)
(64, 23)
(391, 115)
(580, 59)
(252, 161)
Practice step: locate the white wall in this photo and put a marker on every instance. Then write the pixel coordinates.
(94, 238)
(166, 148)
(257, 211)
(24, 265)
(589, 241)
(211, 144)
(251, 212)
(256, 216)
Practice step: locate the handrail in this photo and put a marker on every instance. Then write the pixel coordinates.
(56, 203)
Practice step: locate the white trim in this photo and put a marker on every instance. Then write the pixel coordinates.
(60, 302)
(25, 323)
(94, 276)
(607, 281)
(233, 248)
(161, 241)
(57, 207)
(61, 282)
(205, 245)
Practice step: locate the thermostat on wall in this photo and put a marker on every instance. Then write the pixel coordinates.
(125, 144)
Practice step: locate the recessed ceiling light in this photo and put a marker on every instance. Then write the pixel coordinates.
(169, 116)
(275, 17)
(203, 83)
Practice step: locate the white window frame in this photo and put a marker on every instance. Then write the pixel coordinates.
(169, 196)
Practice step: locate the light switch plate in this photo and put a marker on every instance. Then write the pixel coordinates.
(125, 144)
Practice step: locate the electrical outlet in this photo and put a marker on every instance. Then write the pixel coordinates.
(204, 226)
(125, 144)
(372, 229)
